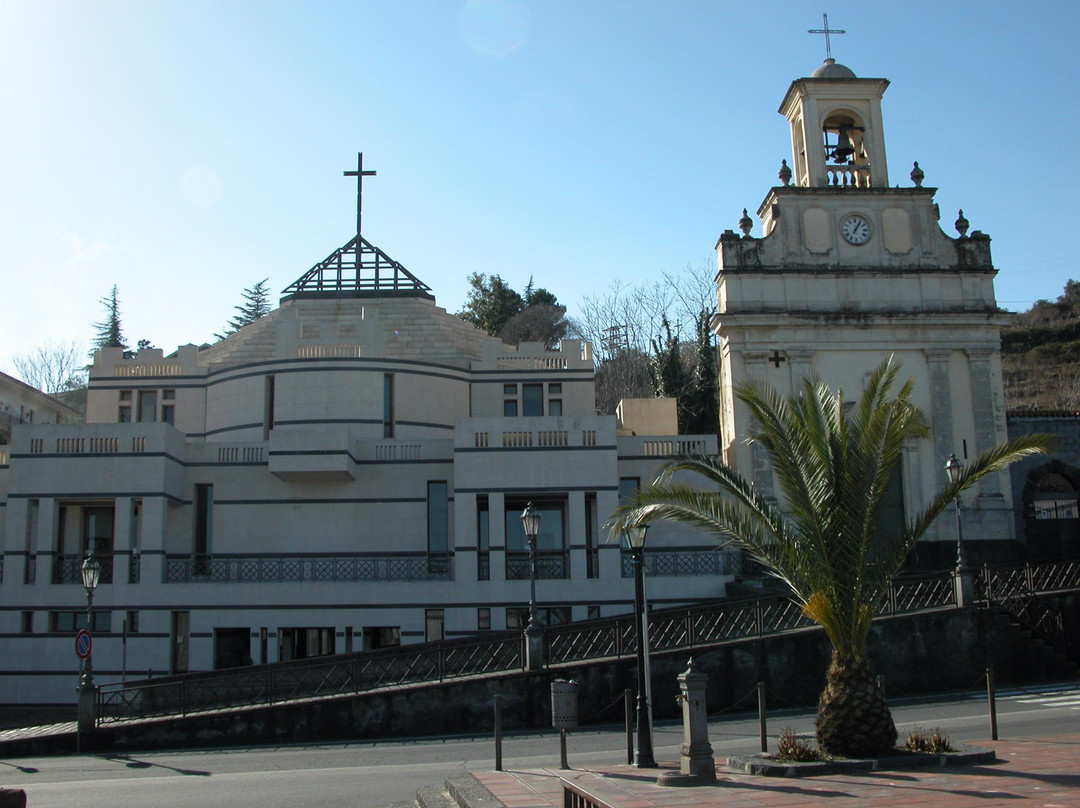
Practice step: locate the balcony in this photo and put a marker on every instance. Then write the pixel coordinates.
(67, 569)
(663, 563)
(220, 569)
(550, 565)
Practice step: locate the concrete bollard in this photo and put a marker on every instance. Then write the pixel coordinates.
(696, 764)
(12, 798)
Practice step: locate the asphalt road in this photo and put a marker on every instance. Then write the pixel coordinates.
(377, 774)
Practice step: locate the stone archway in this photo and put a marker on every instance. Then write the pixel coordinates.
(1051, 502)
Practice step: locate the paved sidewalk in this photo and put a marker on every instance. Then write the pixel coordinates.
(1043, 772)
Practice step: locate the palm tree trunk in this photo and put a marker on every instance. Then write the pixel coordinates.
(853, 719)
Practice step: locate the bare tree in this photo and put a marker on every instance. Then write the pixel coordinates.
(53, 367)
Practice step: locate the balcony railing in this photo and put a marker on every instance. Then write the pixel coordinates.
(67, 569)
(221, 569)
(550, 565)
(685, 562)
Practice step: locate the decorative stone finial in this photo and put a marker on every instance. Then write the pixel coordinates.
(962, 224)
(917, 175)
(784, 173)
(745, 223)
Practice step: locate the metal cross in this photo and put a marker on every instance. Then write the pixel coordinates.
(359, 174)
(776, 358)
(826, 30)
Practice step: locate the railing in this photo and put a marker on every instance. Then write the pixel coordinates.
(690, 627)
(310, 678)
(848, 176)
(254, 569)
(549, 566)
(669, 630)
(1016, 590)
(68, 569)
(685, 562)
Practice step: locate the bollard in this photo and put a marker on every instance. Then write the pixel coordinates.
(564, 713)
(628, 701)
(696, 764)
(993, 703)
(498, 733)
(762, 729)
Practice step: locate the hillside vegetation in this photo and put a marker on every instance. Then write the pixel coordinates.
(1040, 355)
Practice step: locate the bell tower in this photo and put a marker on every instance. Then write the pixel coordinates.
(836, 132)
(848, 271)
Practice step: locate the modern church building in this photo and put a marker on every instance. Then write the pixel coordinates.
(349, 471)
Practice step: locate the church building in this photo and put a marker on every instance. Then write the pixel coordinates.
(850, 270)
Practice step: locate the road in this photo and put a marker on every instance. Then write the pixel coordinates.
(376, 774)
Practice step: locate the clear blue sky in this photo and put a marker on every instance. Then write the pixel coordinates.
(186, 150)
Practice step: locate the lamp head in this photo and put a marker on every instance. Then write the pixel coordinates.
(635, 535)
(953, 467)
(530, 521)
(91, 572)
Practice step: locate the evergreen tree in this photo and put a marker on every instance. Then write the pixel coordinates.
(703, 396)
(669, 371)
(491, 302)
(256, 304)
(109, 331)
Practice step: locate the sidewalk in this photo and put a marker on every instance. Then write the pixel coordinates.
(1043, 772)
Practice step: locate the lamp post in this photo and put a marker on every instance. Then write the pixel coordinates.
(91, 575)
(964, 579)
(643, 755)
(534, 634)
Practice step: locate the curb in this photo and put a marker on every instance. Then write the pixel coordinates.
(768, 767)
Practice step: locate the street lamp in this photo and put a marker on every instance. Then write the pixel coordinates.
(965, 583)
(91, 575)
(635, 539)
(534, 634)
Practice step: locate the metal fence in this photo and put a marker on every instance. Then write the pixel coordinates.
(310, 678)
(1017, 590)
(67, 569)
(664, 563)
(500, 652)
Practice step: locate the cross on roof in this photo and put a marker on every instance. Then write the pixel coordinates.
(359, 174)
(826, 30)
(776, 359)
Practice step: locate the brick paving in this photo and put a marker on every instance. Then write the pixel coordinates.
(1035, 772)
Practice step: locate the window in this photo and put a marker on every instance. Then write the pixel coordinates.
(97, 533)
(269, 392)
(555, 389)
(131, 623)
(388, 405)
(551, 536)
(518, 616)
(483, 619)
(438, 514)
(510, 408)
(627, 487)
(592, 560)
(124, 415)
(435, 625)
(27, 622)
(147, 406)
(532, 399)
(510, 390)
(594, 612)
(67, 622)
(381, 637)
(483, 539)
(204, 518)
(555, 406)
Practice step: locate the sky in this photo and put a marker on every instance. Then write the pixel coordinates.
(184, 151)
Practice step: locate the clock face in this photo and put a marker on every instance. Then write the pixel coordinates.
(855, 229)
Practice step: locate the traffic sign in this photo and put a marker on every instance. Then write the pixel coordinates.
(83, 643)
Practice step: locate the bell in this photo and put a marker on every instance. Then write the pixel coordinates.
(844, 148)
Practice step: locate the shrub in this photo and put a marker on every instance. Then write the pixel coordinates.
(933, 741)
(791, 747)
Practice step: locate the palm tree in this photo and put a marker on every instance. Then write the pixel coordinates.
(833, 468)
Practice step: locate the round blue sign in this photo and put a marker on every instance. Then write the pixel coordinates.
(83, 643)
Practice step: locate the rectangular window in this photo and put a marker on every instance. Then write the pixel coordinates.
(438, 514)
(147, 406)
(98, 532)
(555, 406)
(518, 616)
(483, 539)
(435, 625)
(594, 612)
(124, 414)
(168, 413)
(592, 560)
(388, 405)
(381, 637)
(627, 487)
(510, 390)
(555, 389)
(483, 619)
(66, 622)
(132, 622)
(27, 622)
(204, 518)
(268, 406)
(510, 408)
(532, 399)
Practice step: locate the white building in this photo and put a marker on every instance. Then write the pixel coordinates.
(345, 473)
(851, 270)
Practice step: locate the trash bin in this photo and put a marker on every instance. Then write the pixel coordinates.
(564, 704)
